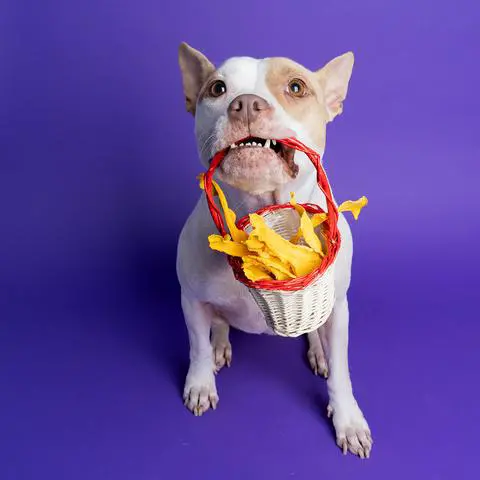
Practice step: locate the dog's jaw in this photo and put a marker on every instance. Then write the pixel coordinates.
(256, 165)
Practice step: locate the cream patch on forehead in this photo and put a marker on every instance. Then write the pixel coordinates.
(308, 110)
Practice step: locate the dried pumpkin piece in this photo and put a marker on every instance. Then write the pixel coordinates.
(251, 266)
(254, 244)
(225, 245)
(303, 260)
(272, 264)
(230, 217)
(309, 234)
(252, 260)
(297, 237)
(306, 229)
(279, 275)
(318, 219)
(299, 209)
(201, 182)
(267, 254)
(255, 263)
(293, 201)
(254, 273)
(354, 206)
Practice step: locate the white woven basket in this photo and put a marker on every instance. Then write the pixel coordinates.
(294, 313)
(299, 305)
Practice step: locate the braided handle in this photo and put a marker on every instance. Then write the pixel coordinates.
(212, 206)
(322, 182)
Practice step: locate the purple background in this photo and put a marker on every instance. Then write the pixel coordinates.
(97, 175)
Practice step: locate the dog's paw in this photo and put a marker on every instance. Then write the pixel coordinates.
(351, 428)
(200, 392)
(317, 361)
(221, 347)
(222, 355)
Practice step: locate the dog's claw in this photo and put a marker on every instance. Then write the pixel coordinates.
(317, 361)
(200, 393)
(353, 434)
(222, 352)
(329, 411)
(343, 444)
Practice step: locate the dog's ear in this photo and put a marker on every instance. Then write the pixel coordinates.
(195, 68)
(334, 78)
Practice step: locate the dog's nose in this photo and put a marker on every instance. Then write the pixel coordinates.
(247, 107)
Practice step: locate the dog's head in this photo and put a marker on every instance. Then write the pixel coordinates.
(245, 104)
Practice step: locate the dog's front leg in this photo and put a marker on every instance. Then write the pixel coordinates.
(352, 431)
(200, 392)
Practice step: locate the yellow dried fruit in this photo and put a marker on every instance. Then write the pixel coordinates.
(255, 274)
(354, 206)
(309, 234)
(300, 210)
(254, 244)
(279, 275)
(302, 259)
(272, 264)
(306, 229)
(225, 245)
(230, 217)
(318, 219)
(265, 254)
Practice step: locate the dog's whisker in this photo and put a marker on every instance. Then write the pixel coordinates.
(207, 145)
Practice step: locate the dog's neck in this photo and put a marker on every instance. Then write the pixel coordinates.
(243, 203)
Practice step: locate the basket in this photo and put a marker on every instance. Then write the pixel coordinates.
(300, 305)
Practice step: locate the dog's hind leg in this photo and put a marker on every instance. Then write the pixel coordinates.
(222, 349)
(316, 355)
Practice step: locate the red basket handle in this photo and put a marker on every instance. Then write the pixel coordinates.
(322, 182)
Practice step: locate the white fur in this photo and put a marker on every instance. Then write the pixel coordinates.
(212, 297)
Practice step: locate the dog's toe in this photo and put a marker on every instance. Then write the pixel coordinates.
(352, 431)
(222, 355)
(200, 393)
(317, 362)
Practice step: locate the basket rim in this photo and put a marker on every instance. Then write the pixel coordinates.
(293, 284)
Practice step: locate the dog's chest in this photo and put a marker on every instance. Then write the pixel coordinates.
(234, 303)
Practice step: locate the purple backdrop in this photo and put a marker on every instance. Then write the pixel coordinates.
(97, 175)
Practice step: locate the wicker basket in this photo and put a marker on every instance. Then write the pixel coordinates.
(300, 305)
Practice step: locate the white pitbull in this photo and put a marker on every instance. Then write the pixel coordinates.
(261, 100)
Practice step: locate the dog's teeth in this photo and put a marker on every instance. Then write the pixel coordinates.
(267, 144)
(233, 146)
(248, 144)
(254, 144)
(241, 145)
(274, 142)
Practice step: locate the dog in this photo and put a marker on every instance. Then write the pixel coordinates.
(244, 106)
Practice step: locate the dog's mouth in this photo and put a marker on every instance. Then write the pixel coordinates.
(286, 154)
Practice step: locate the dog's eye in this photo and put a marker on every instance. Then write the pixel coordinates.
(217, 89)
(297, 88)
